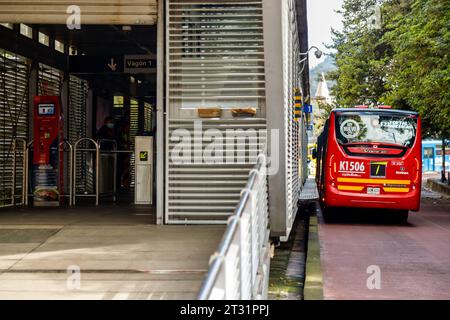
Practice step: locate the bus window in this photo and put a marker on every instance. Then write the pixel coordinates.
(391, 129)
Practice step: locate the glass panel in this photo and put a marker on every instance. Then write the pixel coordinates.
(59, 46)
(25, 30)
(384, 128)
(118, 101)
(43, 39)
(7, 25)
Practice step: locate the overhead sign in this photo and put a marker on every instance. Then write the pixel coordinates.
(112, 64)
(139, 64)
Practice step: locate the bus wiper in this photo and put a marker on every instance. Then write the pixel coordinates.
(393, 135)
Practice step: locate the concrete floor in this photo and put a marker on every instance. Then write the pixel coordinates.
(121, 253)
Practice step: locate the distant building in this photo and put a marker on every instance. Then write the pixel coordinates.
(322, 92)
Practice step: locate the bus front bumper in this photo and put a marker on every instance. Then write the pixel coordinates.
(391, 201)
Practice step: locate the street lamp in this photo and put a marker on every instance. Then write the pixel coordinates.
(318, 53)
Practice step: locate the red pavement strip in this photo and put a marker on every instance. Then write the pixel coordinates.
(414, 258)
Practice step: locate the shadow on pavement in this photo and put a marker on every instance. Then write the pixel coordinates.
(362, 216)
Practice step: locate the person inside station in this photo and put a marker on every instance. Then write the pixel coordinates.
(107, 132)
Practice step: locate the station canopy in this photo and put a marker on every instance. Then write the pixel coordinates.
(117, 12)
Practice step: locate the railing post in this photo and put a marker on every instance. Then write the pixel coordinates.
(27, 169)
(13, 185)
(14, 170)
(245, 256)
(70, 168)
(97, 165)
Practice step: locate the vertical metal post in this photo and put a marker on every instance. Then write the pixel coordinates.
(97, 173)
(70, 168)
(97, 166)
(115, 176)
(443, 179)
(160, 107)
(24, 172)
(74, 173)
(27, 170)
(13, 185)
(274, 66)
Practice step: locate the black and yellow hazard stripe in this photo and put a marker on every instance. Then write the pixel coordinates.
(298, 105)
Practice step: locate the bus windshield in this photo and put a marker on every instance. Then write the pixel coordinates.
(372, 127)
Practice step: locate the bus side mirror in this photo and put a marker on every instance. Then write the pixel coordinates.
(314, 153)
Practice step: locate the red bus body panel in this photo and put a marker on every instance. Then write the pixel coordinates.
(347, 179)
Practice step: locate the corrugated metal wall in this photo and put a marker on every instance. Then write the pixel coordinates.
(14, 77)
(293, 130)
(215, 59)
(77, 128)
(49, 80)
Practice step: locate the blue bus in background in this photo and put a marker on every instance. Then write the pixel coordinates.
(432, 156)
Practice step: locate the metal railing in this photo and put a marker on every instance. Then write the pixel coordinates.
(22, 146)
(99, 153)
(96, 151)
(71, 167)
(23, 196)
(109, 154)
(239, 269)
(26, 148)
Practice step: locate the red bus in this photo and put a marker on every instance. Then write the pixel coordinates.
(370, 158)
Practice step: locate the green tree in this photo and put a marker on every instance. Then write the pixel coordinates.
(404, 62)
(419, 74)
(361, 57)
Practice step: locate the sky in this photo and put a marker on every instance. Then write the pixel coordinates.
(321, 17)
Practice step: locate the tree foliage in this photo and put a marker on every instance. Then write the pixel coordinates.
(403, 62)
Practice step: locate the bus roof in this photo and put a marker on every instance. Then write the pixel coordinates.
(375, 110)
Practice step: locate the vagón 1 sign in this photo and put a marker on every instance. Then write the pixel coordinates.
(139, 63)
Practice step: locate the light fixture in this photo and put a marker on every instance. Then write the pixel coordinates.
(318, 53)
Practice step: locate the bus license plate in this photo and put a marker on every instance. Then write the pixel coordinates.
(373, 190)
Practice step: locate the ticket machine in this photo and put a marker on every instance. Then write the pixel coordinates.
(48, 152)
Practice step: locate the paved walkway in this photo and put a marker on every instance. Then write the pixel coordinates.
(120, 252)
(413, 259)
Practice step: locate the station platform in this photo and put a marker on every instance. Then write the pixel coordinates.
(120, 251)
(309, 191)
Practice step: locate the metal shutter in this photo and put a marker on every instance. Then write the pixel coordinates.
(92, 12)
(14, 77)
(77, 128)
(134, 129)
(49, 81)
(215, 58)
